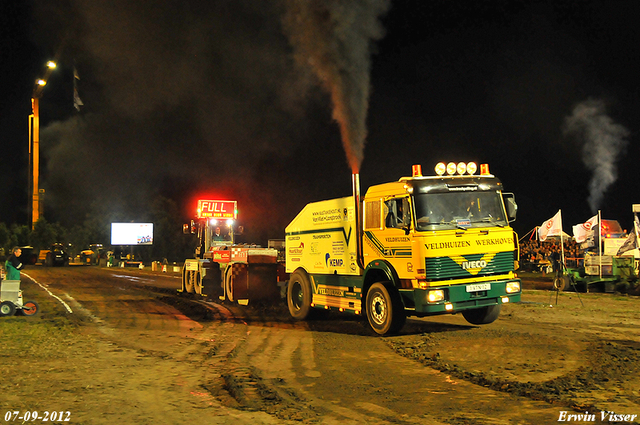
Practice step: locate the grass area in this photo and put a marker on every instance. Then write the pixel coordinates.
(41, 335)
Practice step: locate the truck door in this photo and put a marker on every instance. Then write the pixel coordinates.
(395, 239)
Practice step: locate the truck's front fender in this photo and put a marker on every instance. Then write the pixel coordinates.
(378, 271)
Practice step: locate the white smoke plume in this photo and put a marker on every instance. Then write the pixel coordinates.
(604, 142)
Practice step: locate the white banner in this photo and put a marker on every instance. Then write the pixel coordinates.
(581, 231)
(551, 227)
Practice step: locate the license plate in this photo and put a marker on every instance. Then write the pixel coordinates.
(479, 287)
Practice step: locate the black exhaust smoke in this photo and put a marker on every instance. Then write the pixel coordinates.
(334, 38)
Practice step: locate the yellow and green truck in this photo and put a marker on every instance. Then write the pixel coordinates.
(420, 246)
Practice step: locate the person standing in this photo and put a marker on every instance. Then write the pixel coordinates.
(13, 265)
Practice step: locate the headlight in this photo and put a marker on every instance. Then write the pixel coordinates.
(513, 287)
(435, 296)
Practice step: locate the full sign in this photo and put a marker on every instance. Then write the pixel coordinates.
(217, 209)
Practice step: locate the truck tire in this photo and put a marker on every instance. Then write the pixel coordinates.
(482, 316)
(228, 283)
(299, 295)
(384, 309)
(197, 283)
(187, 281)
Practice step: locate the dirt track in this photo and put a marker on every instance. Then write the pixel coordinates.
(128, 355)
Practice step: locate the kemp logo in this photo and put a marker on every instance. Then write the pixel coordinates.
(296, 250)
(333, 262)
(472, 264)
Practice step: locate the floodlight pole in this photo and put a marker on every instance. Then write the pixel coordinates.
(34, 154)
(34, 144)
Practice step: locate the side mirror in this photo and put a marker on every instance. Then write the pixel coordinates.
(189, 228)
(510, 203)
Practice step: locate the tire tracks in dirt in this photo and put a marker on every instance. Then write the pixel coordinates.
(226, 361)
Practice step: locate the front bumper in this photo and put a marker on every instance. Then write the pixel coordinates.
(457, 298)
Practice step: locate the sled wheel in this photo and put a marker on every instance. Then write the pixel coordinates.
(482, 316)
(299, 295)
(30, 308)
(7, 308)
(384, 308)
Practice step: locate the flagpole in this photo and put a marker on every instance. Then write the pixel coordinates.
(561, 239)
(600, 241)
(636, 230)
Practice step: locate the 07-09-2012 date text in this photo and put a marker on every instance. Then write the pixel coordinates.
(28, 416)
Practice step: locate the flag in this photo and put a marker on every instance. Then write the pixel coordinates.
(77, 102)
(632, 239)
(629, 244)
(551, 227)
(581, 231)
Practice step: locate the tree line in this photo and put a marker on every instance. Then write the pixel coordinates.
(168, 240)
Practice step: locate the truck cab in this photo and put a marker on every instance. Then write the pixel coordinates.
(415, 247)
(446, 240)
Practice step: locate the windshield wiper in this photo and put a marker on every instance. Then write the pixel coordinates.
(490, 219)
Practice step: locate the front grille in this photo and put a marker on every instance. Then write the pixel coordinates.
(443, 268)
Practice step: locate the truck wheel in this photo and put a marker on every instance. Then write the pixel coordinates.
(197, 283)
(384, 308)
(187, 281)
(299, 295)
(228, 283)
(482, 316)
(7, 308)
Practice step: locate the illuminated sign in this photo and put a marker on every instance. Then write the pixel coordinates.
(131, 233)
(217, 209)
(221, 256)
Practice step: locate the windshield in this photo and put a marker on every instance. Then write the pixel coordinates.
(461, 210)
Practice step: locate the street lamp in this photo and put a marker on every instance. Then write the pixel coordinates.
(34, 143)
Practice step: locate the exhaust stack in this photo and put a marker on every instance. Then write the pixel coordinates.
(355, 180)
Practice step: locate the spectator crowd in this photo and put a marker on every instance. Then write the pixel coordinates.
(541, 256)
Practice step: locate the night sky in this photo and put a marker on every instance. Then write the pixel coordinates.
(190, 98)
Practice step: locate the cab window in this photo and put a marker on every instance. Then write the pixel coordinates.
(397, 213)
